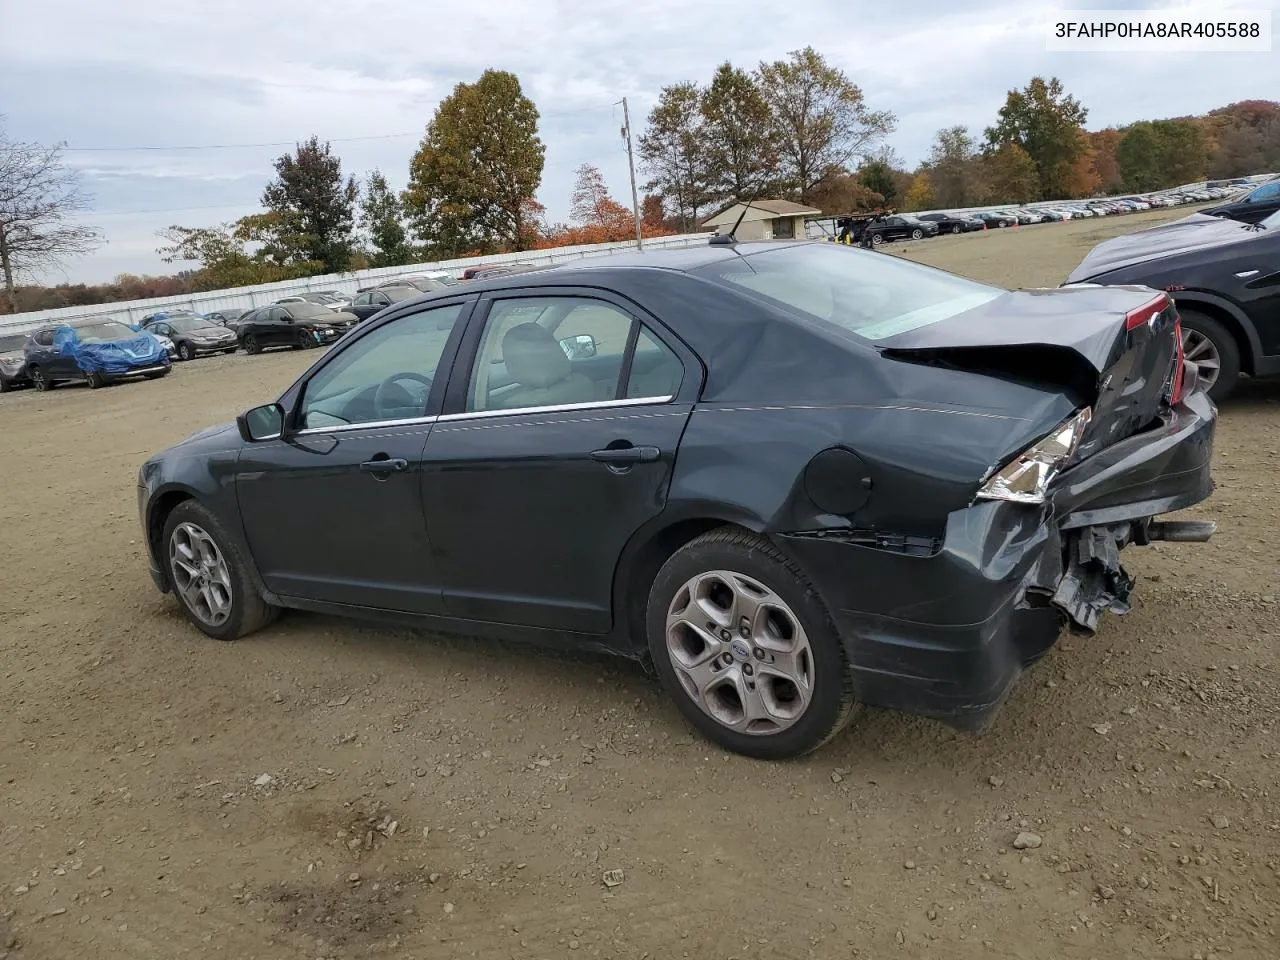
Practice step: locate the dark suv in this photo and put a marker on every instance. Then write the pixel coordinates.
(97, 350)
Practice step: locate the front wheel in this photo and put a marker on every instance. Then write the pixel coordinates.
(251, 344)
(877, 238)
(917, 234)
(186, 352)
(742, 643)
(209, 575)
(957, 228)
(1214, 351)
(39, 380)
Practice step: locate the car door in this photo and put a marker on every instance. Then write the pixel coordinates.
(564, 413)
(895, 228)
(41, 353)
(332, 509)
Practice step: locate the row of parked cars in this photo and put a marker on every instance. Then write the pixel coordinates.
(100, 350)
(903, 226)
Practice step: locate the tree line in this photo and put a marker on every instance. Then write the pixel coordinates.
(796, 128)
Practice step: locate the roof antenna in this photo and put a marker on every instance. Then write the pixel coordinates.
(728, 239)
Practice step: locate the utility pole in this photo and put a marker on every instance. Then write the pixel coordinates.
(631, 164)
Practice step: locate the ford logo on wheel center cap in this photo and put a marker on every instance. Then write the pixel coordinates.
(740, 648)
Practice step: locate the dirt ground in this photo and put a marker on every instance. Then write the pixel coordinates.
(327, 789)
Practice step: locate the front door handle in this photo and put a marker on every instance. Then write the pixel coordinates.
(626, 454)
(384, 465)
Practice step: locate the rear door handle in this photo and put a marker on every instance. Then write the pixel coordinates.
(384, 465)
(626, 454)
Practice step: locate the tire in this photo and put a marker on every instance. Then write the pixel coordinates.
(245, 611)
(1197, 325)
(917, 234)
(877, 239)
(5, 385)
(251, 344)
(306, 341)
(95, 380)
(39, 381)
(186, 351)
(956, 228)
(158, 374)
(709, 563)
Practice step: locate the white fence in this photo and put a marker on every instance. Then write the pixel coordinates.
(246, 298)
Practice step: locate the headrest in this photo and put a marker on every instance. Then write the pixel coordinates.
(533, 357)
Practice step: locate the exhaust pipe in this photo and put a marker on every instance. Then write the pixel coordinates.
(1181, 531)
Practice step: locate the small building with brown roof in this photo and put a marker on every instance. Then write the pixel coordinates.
(764, 220)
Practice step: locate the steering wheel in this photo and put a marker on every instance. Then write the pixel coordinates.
(383, 404)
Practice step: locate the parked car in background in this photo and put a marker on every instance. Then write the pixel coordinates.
(332, 301)
(1026, 216)
(194, 336)
(96, 350)
(423, 283)
(229, 318)
(896, 489)
(13, 361)
(498, 270)
(952, 222)
(372, 299)
(1255, 205)
(1224, 277)
(900, 226)
(996, 219)
(297, 325)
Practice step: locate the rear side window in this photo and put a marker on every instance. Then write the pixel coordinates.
(871, 295)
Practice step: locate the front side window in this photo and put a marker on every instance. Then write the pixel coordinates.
(549, 351)
(866, 294)
(1270, 192)
(385, 375)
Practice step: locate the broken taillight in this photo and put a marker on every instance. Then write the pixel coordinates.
(1026, 478)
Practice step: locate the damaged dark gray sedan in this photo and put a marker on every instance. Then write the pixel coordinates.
(791, 477)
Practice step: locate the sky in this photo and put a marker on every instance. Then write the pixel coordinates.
(242, 80)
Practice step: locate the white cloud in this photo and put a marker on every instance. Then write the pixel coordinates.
(188, 72)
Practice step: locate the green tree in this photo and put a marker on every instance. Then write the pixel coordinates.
(1010, 175)
(476, 169)
(877, 176)
(382, 216)
(741, 154)
(955, 170)
(674, 153)
(236, 254)
(820, 117)
(314, 206)
(1161, 153)
(1045, 122)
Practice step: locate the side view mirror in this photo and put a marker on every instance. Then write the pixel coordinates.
(580, 347)
(261, 423)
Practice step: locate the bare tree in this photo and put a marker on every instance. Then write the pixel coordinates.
(37, 195)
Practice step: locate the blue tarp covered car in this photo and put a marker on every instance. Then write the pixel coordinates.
(96, 350)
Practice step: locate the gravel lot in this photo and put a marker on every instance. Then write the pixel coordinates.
(330, 789)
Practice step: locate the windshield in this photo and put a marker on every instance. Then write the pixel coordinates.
(107, 330)
(310, 310)
(872, 295)
(187, 324)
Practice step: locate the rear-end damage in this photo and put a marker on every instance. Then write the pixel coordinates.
(946, 633)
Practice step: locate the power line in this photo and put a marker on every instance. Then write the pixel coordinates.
(290, 143)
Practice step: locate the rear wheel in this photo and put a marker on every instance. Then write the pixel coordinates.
(5, 385)
(210, 577)
(744, 645)
(39, 380)
(1213, 350)
(95, 380)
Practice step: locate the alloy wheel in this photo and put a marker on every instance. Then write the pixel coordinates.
(740, 653)
(1203, 352)
(200, 574)
(185, 352)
